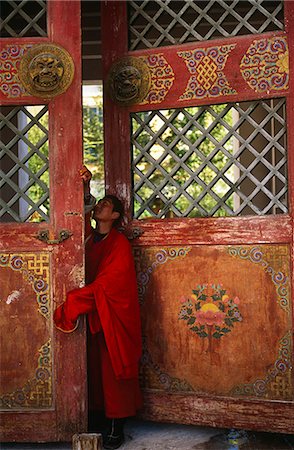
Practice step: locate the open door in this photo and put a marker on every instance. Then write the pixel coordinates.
(43, 371)
(199, 143)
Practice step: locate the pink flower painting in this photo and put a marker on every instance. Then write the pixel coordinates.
(210, 311)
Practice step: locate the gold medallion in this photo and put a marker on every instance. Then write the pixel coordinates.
(46, 70)
(129, 81)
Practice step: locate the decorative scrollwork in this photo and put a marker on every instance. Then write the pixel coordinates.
(37, 392)
(161, 257)
(34, 267)
(162, 380)
(280, 280)
(10, 57)
(206, 67)
(277, 381)
(265, 65)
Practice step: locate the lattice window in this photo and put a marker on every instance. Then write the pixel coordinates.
(24, 173)
(23, 18)
(217, 160)
(169, 22)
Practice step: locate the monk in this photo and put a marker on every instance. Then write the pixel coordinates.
(110, 301)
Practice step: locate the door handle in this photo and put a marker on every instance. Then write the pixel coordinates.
(44, 236)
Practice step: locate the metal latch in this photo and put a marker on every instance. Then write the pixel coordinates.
(133, 233)
(44, 236)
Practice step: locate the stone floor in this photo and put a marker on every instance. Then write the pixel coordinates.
(142, 435)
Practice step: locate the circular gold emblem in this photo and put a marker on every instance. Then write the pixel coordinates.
(46, 70)
(129, 81)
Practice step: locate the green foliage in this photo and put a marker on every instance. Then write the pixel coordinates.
(37, 164)
(92, 135)
(93, 145)
(180, 136)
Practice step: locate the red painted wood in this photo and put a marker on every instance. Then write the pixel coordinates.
(6, 43)
(219, 412)
(208, 231)
(26, 234)
(289, 14)
(185, 407)
(67, 197)
(231, 71)
(116, 119)
(69, 412)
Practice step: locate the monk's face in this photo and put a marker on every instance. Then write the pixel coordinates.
(103, 211)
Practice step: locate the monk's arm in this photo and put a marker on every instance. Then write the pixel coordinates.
(79, 301)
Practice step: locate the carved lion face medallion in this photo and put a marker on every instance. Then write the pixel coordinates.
(129, 81)
(46, 71)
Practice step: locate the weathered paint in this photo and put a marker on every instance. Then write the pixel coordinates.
(68, 413)
(114, 45)
(207, 231)
(219, 412)
(207, 303)
(13, 296)
(289, 15)
(186, 407)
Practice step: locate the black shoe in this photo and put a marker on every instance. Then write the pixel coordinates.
(112, 441)
(114, 437)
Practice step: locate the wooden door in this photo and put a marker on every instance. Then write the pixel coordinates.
(43, 375)
(204, 161)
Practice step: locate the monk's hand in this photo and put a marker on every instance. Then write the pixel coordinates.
(86, 175)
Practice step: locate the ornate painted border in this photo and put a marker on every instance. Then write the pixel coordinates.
(10, 58)
(170, 384)
(280, 280)
(237, 68)
(206, 66)
(162, 78)
(34, 268)
(277, 382)
(37, 392)
(143, 277)
(265, 65)
(161, 257)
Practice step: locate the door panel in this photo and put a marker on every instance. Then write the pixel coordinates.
(30, 273)
(209, 320)
(43, 389)
(215, 290)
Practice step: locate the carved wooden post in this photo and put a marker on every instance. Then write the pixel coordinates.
(87, 441)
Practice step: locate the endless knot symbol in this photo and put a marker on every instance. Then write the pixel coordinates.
(206, 72)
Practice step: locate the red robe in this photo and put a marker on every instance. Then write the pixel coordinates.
(111, 301)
